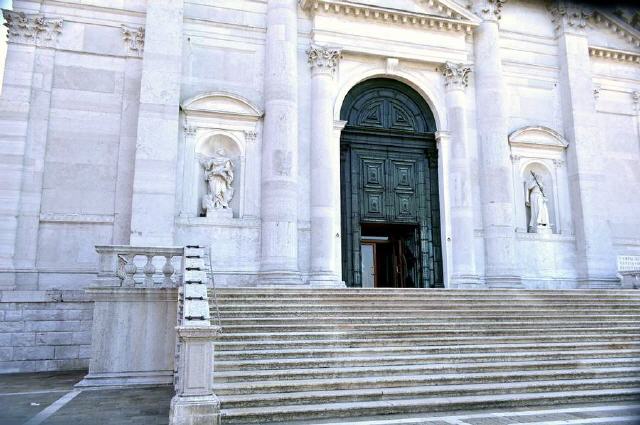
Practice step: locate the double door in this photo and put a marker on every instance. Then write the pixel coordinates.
(387, 218)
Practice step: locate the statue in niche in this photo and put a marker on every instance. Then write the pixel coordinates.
(218, 172)
(536, 200)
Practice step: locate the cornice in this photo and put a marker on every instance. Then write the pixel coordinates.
(613, 54)
(455, 21)
(617, 26)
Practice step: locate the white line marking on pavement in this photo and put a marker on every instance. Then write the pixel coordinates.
(34, 392)
(53, 408)
(610, 419)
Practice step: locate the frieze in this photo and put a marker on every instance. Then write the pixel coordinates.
(33, 29)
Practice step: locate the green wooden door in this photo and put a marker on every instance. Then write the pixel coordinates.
(389, 175)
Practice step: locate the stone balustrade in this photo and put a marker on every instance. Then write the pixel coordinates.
(139, 267)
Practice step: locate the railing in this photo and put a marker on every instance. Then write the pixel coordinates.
(194, 345)
(139, 267)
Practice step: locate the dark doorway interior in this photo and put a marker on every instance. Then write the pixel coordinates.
(390, 255)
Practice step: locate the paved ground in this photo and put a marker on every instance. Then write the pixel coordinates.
(50, 399)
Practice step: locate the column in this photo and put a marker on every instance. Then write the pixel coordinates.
(325, 169)
(496, 181)
(462, 263)
(31, 49)
(279, 208)
(596, 263)
(154, 182)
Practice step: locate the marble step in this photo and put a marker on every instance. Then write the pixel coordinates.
(327, 351)
(367, 341)
(266, 414)
(401, 307)
(363, 382)
(446, 313)
(375, 325)
(377, 360)
(437, 332)
(399, 370)
(412, 292)
(409, 392)
(418, 318)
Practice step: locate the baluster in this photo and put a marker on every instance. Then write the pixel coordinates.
(168, 270)
(130, 269)
(149, 269)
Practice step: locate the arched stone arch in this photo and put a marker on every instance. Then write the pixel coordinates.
(434, 100)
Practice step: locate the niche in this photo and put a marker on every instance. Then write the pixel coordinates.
(220, 171)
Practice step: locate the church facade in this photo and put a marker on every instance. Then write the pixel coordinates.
(412, 143)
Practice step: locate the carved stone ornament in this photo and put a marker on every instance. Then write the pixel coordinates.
(324, 59)
(456, 75)
(134, 39)
(250, 135)
(218, 172)
(31, 28)
(568, 16)
(635, 96)
(490, 9)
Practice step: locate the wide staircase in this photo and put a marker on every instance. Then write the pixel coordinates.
(311, 354)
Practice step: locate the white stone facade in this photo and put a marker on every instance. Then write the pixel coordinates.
(104, 112)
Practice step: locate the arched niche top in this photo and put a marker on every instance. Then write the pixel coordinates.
(221, 104)
(538, 137)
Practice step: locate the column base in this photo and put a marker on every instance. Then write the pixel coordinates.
(599, 283)
(504, 282)
(195, 410)
(466, 281)
(126, 379)
(279, 278)
(322, 280)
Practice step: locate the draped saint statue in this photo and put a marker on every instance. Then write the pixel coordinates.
(536, 200)
(218, 172)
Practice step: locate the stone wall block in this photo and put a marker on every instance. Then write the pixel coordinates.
(33, 353)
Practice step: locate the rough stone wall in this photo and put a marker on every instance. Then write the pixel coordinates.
(44, 331)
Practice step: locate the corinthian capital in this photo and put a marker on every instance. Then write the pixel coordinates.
(31, 28)
(569, 16)
(456, 75)
(490, 10)
(324, 59)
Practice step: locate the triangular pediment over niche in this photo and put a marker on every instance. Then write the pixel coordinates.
(402, 11)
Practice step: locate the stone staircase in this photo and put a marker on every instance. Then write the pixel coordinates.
(309, 354)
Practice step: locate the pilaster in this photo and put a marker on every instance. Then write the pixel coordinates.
(496, 178)
(32, 39)
(325, 169)
(279, 209)
(595, 261)
(462, 262)
(154, 181)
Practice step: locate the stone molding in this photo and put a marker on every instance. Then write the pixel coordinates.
(613, 54)
(456, 75)
(76, 218)
(569, 17)
(133, 39)
(620, 28)
(455, 19)
(34, 29)
(490, 10)
(324, 59)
